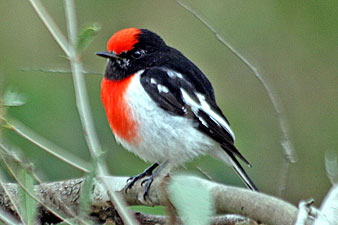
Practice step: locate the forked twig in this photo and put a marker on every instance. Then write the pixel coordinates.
(50, 25)
(32, 195)
(85, 114)
(5, 151)
(80, 91)
(289, 151)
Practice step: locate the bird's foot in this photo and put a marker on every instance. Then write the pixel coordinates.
(147, 182)
(132, 180)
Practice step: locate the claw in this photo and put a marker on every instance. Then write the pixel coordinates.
(144, 181)
(132, 180)
(148, 183)
(131, 183)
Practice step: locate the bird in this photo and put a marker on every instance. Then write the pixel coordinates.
(162, 107)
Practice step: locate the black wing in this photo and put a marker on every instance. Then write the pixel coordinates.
(176, 95)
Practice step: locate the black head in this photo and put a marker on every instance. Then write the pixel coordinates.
(130, 50)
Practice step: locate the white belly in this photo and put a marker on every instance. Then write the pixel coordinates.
(163, 136)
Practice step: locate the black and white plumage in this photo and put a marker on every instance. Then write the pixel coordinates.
(177, 96)
(173, 104)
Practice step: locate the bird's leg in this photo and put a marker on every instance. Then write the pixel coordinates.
(146, 172)
(149, 181)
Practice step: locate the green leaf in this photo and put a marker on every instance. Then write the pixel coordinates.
(193, 201)
(86, 37)
(13, 98)
(28, 206)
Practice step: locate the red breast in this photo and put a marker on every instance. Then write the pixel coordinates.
(117, 109)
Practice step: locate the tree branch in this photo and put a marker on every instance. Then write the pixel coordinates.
(218, 220)
(257, 206)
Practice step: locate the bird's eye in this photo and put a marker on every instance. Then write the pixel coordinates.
(137, 54)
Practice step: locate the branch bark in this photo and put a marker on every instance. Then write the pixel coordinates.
(229, 200)
(218, 220)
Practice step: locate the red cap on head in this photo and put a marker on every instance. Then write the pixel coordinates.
(123, 40)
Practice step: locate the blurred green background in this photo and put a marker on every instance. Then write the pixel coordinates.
(292, 43)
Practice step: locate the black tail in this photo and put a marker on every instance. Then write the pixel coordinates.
(240, 171)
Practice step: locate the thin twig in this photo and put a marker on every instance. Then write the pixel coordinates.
(205, 173)
(331, 166)
(119, 203)
(11, 153)
(50, 24)
(80, 89)
(32, 195)
(81, 92)
(284, 173)
(66, 209)
(285, 142)
(57, 70)
(10, 195)
(46, 145)
(289, 151)
(8, 219)
(85, 114)
(56, 199)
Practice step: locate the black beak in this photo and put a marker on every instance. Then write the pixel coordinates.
(107, 55)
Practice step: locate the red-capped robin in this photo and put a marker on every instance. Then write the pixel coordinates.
(161, 107)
